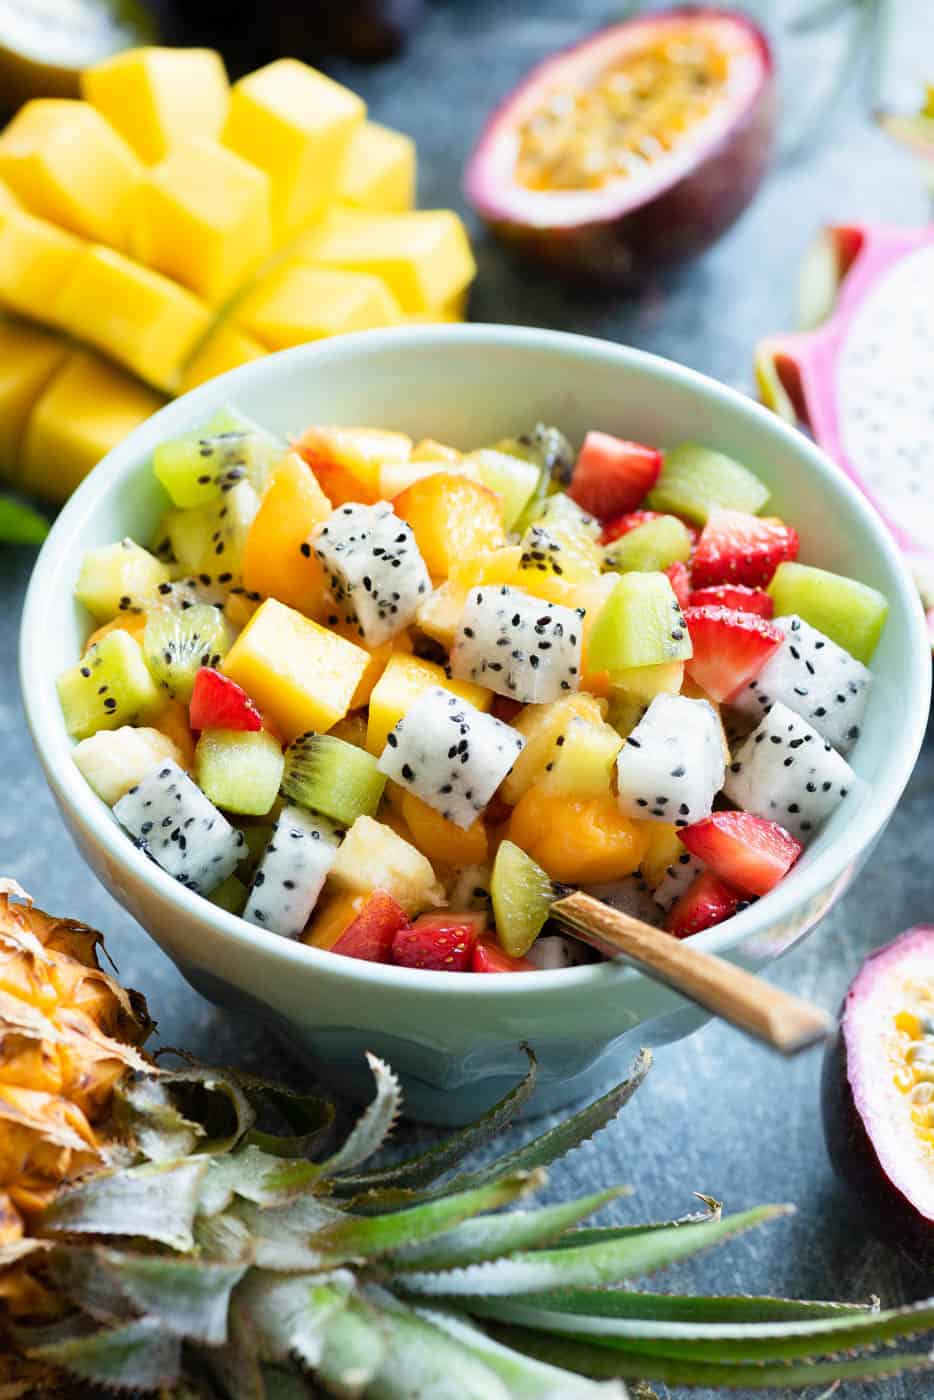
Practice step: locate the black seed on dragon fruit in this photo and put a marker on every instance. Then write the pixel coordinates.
(291, 872)
(170, 818)
(517, 645)
(814, 677)
(450, 754)
(553, 951)
(671, 766)
(375, 572)
(788, 773)
(676, 880)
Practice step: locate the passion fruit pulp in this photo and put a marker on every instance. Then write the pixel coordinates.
(632, 150)
(878, 1094)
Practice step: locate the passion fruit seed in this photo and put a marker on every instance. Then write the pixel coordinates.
(634, 111)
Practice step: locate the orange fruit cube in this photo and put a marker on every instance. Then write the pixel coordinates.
(453, 518)
(580, 842)
(278, 561)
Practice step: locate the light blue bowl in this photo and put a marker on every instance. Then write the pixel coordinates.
(455, 1039)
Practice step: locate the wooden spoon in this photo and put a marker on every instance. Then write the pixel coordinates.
(785, 1022)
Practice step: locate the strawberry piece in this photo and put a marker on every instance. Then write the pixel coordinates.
(738, 548)
(369, 936)
(679, 576)
(706, 901)
(730, 648)
(438, 942)
(612, 476)
(733, 595)
(749, 853)
(219, 703)
(488, 956)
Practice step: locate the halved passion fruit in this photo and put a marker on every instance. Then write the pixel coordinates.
(878, 1093)
(635, 149)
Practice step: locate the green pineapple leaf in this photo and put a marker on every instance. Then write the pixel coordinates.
(158, 1201)
(136, 1356)
(373, 1126)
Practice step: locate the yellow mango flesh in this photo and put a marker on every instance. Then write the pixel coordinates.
(156, 97)
(8, 199)
(226, 348)
(424, 257)
(297, 303)
(379, 659)
(296, 124)
(441, 611)
(404, 679)
(274, 563)
(28, 359)
(202, 216)
(332, 918)
(454, 309)
(138, 317)
(302, 675)
(88, 408)
(36, 259)
(379, 170)
(68, 165)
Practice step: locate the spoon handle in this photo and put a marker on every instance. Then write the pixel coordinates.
(785, 1022)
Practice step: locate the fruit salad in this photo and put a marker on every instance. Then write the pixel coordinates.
(392, 698)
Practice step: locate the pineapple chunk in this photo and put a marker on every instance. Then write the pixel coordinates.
(68, 165)
(542, 726)
(297, 303)
(373, 857)
(404, 679)
(645, 682)
(225, 348)
(108, 688)
(274, 563)
(379, 170)
(36, 259)
(113, 578)
(379, 660)
(28, 359)
(424, 257)
(88, 408)
(301, 674)
(295, 124)
(583, 764)
(441, 611)
(114, 761)
(138, 317)
(157, 97)
(203, 217)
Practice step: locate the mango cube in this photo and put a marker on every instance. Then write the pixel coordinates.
(67, 164)
(295, 124)
(379, 170)
(454, 309)
(301, 675)
(274, 563)
(88, 407)
(36, 258)
(157, 97)
(138, 317)
(8, 199)
(424, 257)
(225, 348)
(28, 359)
(403, 681)
(296, 303)
(203, 217)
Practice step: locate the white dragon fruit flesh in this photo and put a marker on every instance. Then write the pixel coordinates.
(788, 773)
(814, 677)
(450, 754)
(517, 645)
(631, 896)
(375, 572)
(671, 766)
(553, 951)
(170, 818)
(291, 872)
(676, 880)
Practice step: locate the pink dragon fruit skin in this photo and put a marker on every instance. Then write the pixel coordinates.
(829, 379)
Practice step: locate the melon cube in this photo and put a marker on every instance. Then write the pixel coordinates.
(225, 348)
(295, 124)
(379, 170)
(87, 409)
(113, 576)
(374, 857)
(203, 216)
(403, 681)
(274, 562)
(239, 770)
(156, 97)
(138, 317)
(28, 359)
(298, 673)
(36, 258)
(296, 303)
(68, 165)
(424, 257)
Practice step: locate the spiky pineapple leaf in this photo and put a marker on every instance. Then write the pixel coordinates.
(373, 1126)
(310, 1115)
(216, 1100)
(680, 1307)
(591, 1266)
(191, 1297)
(139, 1355)
(293, 1314)
(157, 1201)
(491, 1236)
(146, 1114)
(355, 1347)
(599, 1234)
(255, 1175)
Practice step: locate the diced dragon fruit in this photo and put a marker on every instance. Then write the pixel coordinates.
(671, 766)
(517, 645)
(375, 572)
(170, 818)
(291, 872)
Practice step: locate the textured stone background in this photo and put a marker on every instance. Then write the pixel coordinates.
(717, 1115)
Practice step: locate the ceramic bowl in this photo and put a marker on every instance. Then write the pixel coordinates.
(456, 1039)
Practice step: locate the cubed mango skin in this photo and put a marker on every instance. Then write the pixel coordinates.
(278, 561)
(296, 303)
(36, 260)
(28, 359)
(156, 97)
(379, 171)
(225, 348)
(302, 675)
(403, 680)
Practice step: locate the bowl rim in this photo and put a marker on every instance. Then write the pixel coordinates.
(76, 796)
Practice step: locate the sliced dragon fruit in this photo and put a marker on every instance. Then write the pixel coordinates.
(376, 573)
(170, 818)
(671, 766)
(291, 872)
(814, 677)
(517, 645)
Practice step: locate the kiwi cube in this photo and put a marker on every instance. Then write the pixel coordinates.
(640, 624)
(850, 613)
(202, 465)
(696, 480)
(178, 642)
(117, 577)
(652, 546)
(333, 777)
(513, 480)
(522, 896)
(239, 770)
(111, 686)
